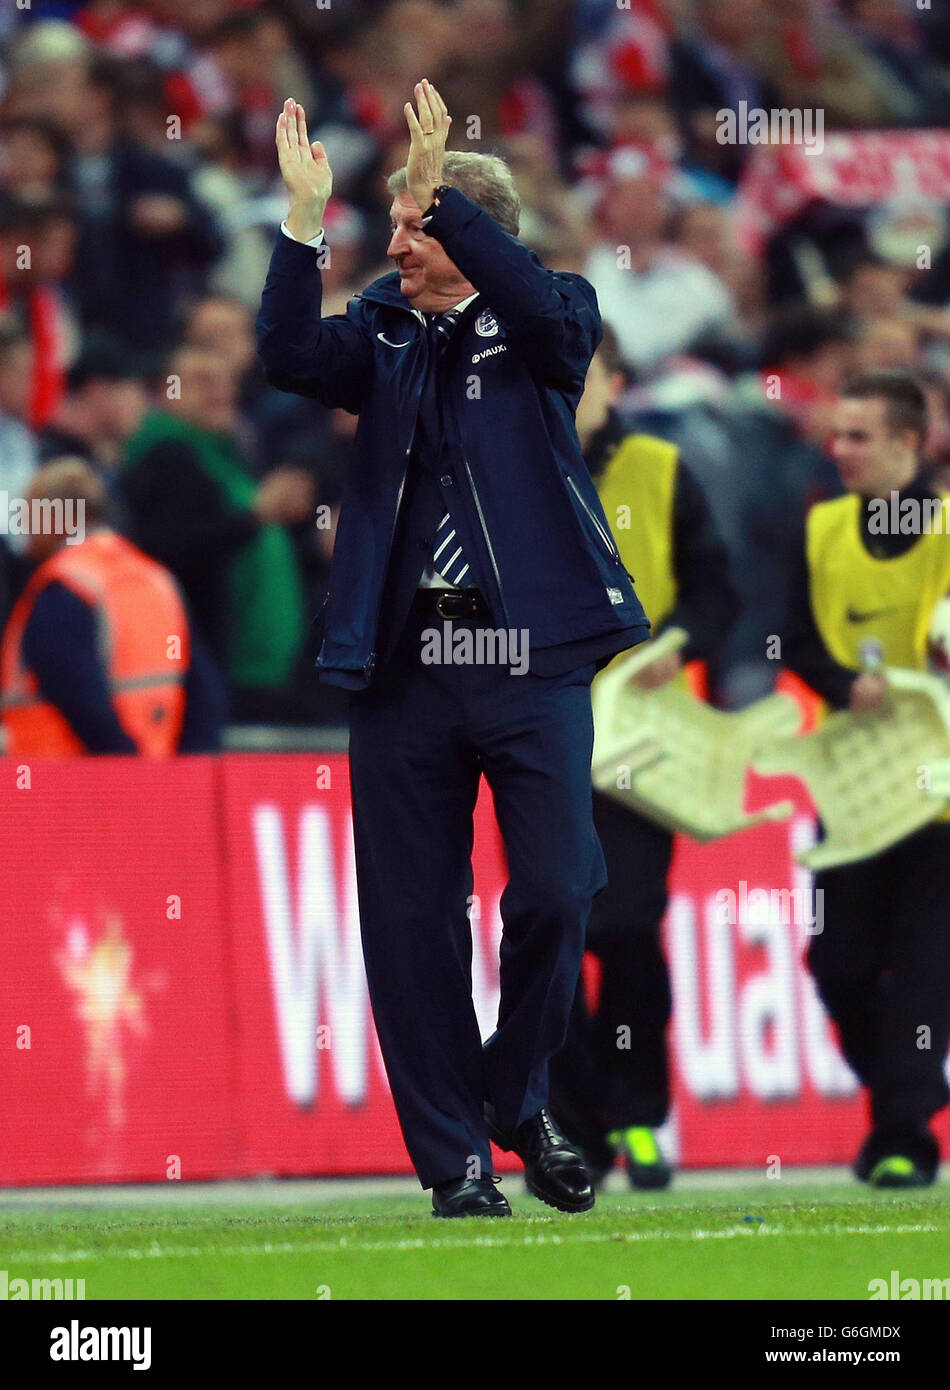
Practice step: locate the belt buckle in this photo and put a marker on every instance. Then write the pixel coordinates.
(447, 597)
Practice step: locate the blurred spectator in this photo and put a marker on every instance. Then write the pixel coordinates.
(225, 326)
(97, 656)
(779, 434)
(814, 59)
(705, 231)
(195, 505)
(807, 355)
(222, 182)
(245, 67)
(553, 223)
(485, 73)
(701, 231)
(279, 428)
(657, 299)
(874, 288)
(36, 249)
(34, 156)
(46, 70)
(104, 405)
(884, 343)
(714, 68)
(617, 53)
(145, 239)
(891, 34)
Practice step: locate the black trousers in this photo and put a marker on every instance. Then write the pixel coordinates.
(882, 968)
(612, 1071)
(420, 740)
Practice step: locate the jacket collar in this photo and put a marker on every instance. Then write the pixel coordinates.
(386, 290)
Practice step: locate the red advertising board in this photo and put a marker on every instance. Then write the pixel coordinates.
(183, 991)
(114, 1009)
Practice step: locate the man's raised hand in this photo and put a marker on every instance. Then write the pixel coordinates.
(428, 133)
(306, 172)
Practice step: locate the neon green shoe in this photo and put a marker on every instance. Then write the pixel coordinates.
(645, 1164)
(896, 1170)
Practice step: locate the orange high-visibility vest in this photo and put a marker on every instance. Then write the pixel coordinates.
(139, 615)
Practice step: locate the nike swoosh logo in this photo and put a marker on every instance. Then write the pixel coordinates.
(383, 339)
(854, 616)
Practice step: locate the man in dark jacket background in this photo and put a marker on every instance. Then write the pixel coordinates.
(468, 514)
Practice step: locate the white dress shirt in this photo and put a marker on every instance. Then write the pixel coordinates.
(314, 241)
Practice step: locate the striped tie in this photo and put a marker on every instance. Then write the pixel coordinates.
(448, 558)
(441, 326)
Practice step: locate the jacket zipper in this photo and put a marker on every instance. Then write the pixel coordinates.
(612, 549)
(491, 553)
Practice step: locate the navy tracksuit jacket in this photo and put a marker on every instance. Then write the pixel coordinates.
(512, 376)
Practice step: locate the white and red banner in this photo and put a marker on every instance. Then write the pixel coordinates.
(183, 992)
(855, 169)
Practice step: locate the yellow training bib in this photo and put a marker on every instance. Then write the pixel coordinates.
(637, 490)
(874, 609)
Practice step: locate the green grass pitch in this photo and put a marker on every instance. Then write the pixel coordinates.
(810, 1234)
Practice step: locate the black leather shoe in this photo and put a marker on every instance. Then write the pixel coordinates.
(554, 1171)
(469, 1197)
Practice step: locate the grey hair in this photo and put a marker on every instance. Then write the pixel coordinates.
(485, 178)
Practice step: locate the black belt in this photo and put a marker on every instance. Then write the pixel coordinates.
(452, 603)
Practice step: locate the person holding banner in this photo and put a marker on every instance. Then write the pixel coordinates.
(876, 563)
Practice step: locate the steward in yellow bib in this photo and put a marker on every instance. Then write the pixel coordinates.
(875, 565)
(611, 1099)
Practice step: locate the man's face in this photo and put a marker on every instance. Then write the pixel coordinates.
(117, 407)
(208, 389)
(870, 458)
(428, 279)
(225, 328)
(634, 210)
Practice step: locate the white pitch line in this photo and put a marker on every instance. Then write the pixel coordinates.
(344, 1245)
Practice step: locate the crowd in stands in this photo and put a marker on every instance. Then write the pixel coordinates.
(140, 196)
